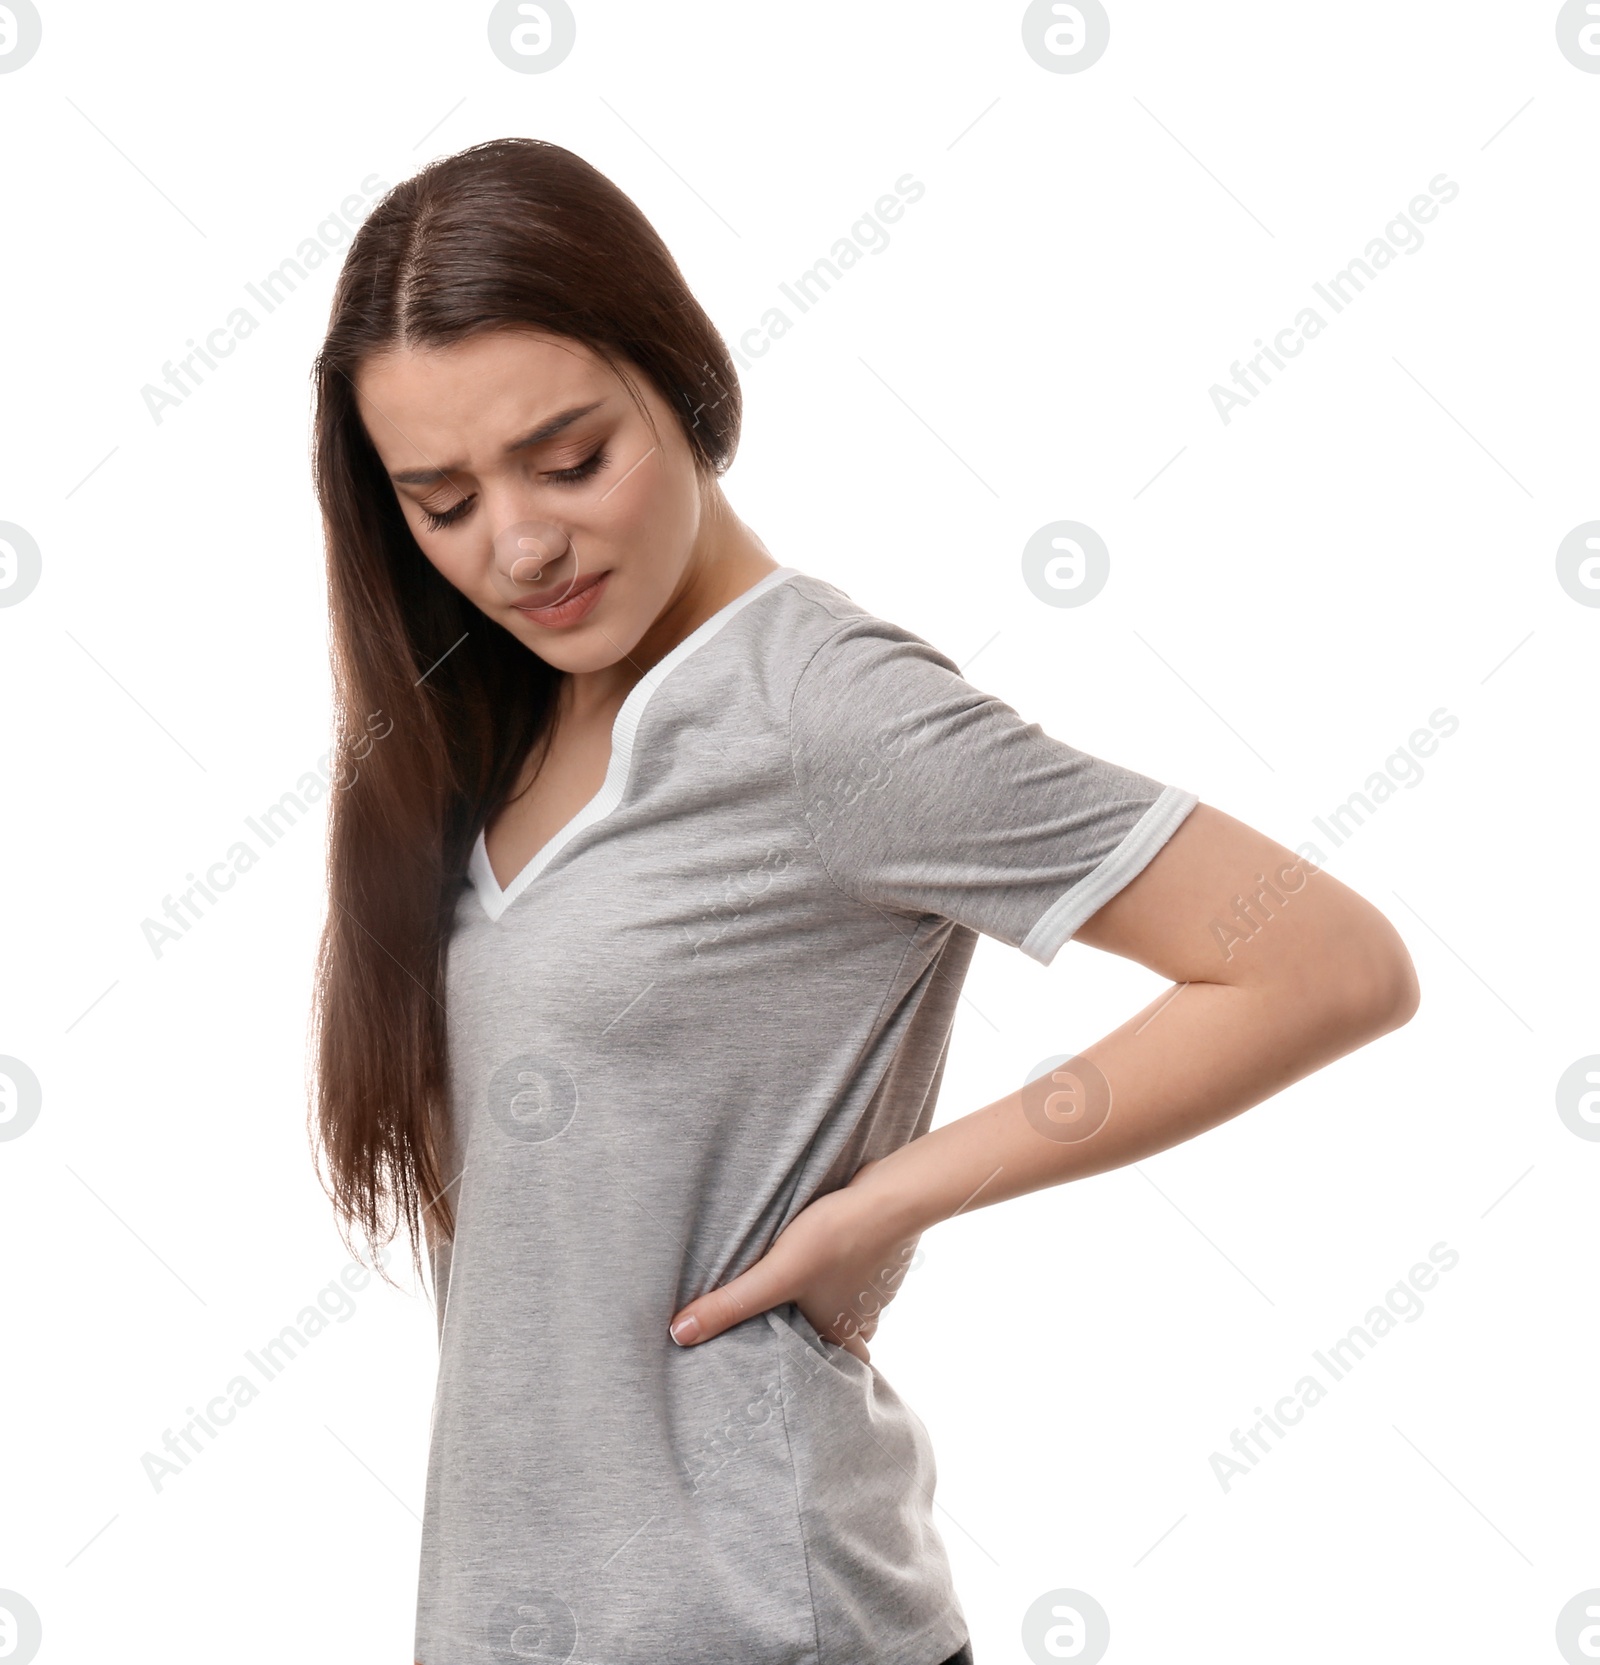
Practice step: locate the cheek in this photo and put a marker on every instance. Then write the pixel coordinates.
(653, 501)
(452, 558)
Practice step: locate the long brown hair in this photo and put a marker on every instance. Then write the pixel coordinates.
(436, 705)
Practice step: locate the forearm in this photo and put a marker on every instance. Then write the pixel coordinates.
(1198, 1054)
(1299, 972)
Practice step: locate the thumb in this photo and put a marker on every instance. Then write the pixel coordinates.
(709, 1315)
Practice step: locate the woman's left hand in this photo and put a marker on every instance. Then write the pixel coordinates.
(839, 1260)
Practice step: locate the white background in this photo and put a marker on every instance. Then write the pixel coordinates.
(1291, 594)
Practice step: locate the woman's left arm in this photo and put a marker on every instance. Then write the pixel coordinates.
(1277, 969)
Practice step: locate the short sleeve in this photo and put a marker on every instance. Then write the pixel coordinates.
(924, 794)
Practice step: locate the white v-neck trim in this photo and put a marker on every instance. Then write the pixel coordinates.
(623, 729)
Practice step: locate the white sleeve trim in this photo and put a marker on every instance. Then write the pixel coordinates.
(1063, 917)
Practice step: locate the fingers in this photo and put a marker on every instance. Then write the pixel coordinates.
(750, 1293)
(850, 1333)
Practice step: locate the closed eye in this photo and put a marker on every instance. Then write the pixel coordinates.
(447, 517)
(590, 466)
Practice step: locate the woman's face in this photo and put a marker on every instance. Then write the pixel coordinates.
(489, 440)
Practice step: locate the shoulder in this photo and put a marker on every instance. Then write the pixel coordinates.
(871, 699)
(836, 645)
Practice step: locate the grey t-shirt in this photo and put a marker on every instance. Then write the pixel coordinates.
(719, 990)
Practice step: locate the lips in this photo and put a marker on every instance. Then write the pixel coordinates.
(571, 606)
(581, 586)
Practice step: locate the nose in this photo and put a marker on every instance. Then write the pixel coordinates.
(522, 551)
(534, 561)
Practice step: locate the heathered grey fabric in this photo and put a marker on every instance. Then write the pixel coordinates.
(724, 986)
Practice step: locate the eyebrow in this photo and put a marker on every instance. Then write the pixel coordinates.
(536, 436)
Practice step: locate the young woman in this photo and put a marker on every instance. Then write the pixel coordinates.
(654, 877)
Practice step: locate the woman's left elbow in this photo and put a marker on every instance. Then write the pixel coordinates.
(1381, 988)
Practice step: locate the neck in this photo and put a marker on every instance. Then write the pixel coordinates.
(726, 560)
